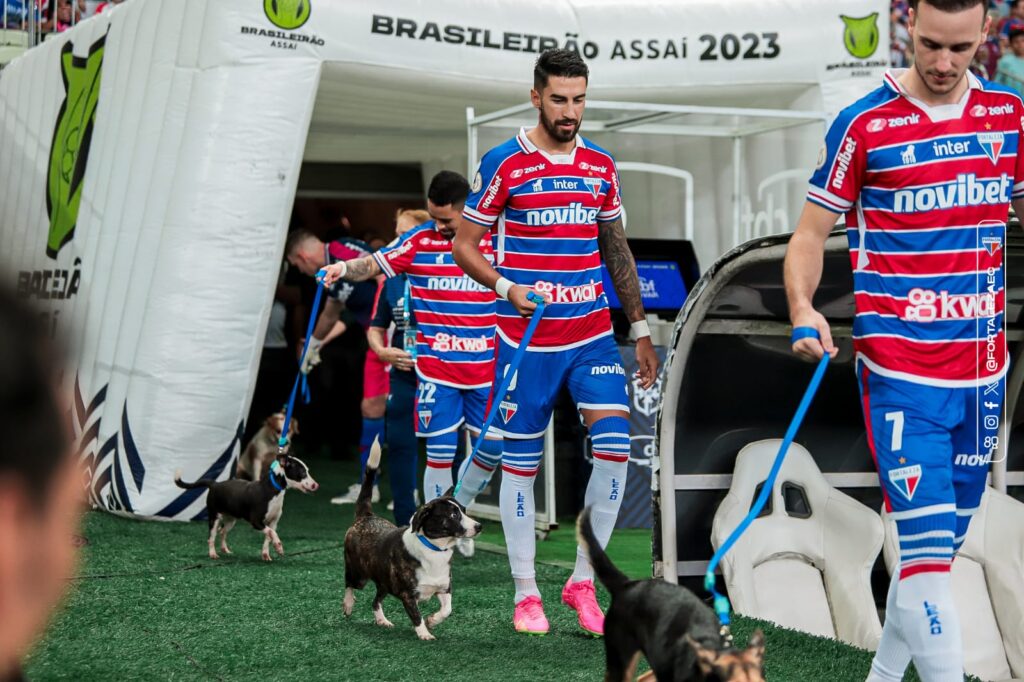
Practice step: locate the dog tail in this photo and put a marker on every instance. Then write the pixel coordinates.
(364, 503)
(201, 483)
(607, 572)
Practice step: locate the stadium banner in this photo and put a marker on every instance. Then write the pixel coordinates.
(150, 158)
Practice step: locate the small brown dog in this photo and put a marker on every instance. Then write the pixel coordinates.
(262, 449)
(676, 631)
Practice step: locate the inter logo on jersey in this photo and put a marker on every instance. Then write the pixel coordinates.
(906, 479)
(991, 144)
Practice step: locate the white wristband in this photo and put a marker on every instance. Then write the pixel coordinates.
(502, 287)
(313, 343)
(640, 329)
(344, 269)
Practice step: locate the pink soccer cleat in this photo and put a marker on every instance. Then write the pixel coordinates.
(529, 617)
(580, 596)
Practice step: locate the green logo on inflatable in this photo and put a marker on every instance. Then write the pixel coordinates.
(861, 35)
(287, 14)
(72, 135)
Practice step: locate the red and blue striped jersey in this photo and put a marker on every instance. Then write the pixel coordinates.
(544, 211)
(454, 314)
(926, 193)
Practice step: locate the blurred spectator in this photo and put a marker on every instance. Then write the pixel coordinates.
(63, 16)
(40, 485)
(993, 48)
(900, 42)
(110, 4)
(13, 14)
(1010, 71)
(979, 65)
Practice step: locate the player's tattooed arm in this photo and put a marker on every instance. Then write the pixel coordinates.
(611, 239)
(355, 270)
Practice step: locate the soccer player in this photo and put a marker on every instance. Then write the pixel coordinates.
(454, 348)
(553, 199)
(924, 168)
(306, 252)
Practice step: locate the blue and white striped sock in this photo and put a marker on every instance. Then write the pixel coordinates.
(519, 466)
(437, 477)
(476, 475)
(607, 485)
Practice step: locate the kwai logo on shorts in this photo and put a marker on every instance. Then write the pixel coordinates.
(906, 479)
(72, 137)
(287, 14)
(860, 35)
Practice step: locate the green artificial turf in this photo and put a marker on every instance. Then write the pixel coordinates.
(149, 605)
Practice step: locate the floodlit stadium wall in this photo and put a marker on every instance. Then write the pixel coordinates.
(149, 159)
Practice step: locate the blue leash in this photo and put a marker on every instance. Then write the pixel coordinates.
(721, 602)
(507, 379)
(300, 380)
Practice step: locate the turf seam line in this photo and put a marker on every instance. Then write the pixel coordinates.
(192, 567)
(188, 657)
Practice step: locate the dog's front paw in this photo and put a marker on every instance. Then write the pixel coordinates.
(213, 555)
(423, 633)
(434, 619)
(265, 555)
(224, 548)
(279, 548)
(382, 621)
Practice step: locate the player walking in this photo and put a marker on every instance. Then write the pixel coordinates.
(454, 339)
(924, 168)
(553, 198)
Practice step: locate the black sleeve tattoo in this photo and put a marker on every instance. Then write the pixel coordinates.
(361, 269)
(611, 239)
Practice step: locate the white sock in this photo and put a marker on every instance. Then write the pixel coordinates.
(606, 486)
(928, 621)
(893, 655)
(477, 475)
(437, 477)
(518, 514)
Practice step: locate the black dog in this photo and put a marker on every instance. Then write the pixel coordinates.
(258, 502)
(675, 630)
(413, 562)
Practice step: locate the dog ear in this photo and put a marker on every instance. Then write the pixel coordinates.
(755, 648)
(705, 657)
(416, 523)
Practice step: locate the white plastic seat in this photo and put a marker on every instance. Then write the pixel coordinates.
(988, 587)
(807, 567)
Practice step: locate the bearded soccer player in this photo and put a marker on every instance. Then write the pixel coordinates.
(553, 199)
(454, 336)
(924, 168)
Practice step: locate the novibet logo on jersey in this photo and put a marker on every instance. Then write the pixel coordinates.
(72, 136)
(287, 14)
(861, 35)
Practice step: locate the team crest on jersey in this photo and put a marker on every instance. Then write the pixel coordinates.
(594, 184)
(992, 144)
(906, 479)
(508, 410)
(992, 244)
(478, 182)
(425, 416)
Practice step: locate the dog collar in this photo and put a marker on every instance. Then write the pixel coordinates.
(273, 481)
(429, 545)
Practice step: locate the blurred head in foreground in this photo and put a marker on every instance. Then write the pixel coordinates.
(40, 484)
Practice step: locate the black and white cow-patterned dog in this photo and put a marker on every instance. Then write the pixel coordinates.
(413, 562)
(258, 502)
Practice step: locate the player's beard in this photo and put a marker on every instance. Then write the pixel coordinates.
(943, 87)
(557, 133)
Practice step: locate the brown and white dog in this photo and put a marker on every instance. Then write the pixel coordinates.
(258, 502)
(676, 631)
(413, 562)
(262, 449)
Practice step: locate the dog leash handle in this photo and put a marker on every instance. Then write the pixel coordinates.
(721, 602)
(282, 442)
(510, 372)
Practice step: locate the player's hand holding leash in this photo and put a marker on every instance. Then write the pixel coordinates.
(332, 273)
(519, 296)
(808, 346)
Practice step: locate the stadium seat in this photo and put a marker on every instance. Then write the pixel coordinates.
(806, 562)
(988, 586)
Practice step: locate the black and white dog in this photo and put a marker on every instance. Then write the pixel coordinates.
(413, 562)
(676, 631)
(258, 502)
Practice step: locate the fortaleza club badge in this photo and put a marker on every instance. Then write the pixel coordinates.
(508, 410)
(594, 184)
(906, 479)
(425, 416)
(992, 145)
